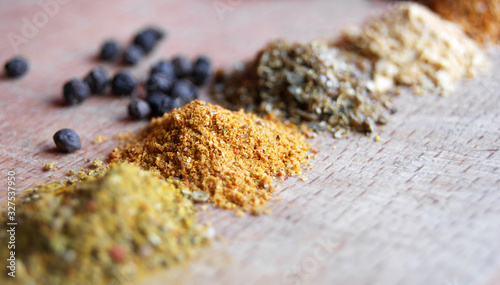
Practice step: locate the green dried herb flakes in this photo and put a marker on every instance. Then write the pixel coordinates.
(105, 228)
(323, 87)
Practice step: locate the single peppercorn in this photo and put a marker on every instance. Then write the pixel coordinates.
(75, 91)
(67, 140)
(16, 67)
(133, 54)
(148, 38)
(165, 67)
(123, 84)
(185, 90)
(159, 82)
(155, 100)
(97, 80)
(202, 70)
(183, 66)
(110, 50)
(139, 109)
(161, 103)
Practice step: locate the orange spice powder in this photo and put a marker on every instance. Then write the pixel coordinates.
(231, 156)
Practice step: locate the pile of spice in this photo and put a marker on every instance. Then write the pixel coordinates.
(410, 45)
(227, 158)
(323, 87)
(110, 227)
(480, 19)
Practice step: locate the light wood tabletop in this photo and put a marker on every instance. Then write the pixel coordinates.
(420, 206)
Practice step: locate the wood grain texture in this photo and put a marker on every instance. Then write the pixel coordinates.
(421, 206)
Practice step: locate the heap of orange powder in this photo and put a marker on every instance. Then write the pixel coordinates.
(480, 19)
(230, 156)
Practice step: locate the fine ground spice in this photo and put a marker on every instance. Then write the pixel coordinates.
(109, 227)
(228, 158)
(480, 19)
(323, 87)
(412, 46)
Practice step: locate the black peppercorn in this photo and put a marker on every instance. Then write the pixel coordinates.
(67, 140)
(202, 70)
(133, 54)
(165, 67)
(139, 109)
(110, 50)
(16, 67)
(159, 82)
(161, 103)
(75, 91)
(97, 80)
(123, 84)
(148, 38)
(185, 90)
(183, 66)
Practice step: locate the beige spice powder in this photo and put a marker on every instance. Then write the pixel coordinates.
(412, 46)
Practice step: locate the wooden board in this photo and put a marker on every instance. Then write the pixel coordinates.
(421, 206)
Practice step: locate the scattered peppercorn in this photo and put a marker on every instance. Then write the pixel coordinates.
(67, 140)
(133, 54)
(185, 90)
(159, 82)
(202, 70)
(16, 67)
(154, 100)
(161, 103)
(75, 91)
(165, 67)
(148, 38)
(97, 80)
(110, 50)
(123, 83)
(139, 109)
(183, 66)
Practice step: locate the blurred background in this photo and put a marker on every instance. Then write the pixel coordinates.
(419, 207)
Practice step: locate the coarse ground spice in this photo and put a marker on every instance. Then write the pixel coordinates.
(410, 45)
(111, 226)
(228, 158)
(48, 166)
(480, 19)
(99, 139)
(323, 87)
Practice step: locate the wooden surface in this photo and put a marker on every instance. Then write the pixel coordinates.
(421, 206)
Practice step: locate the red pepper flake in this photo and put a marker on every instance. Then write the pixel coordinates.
(91, 205)
(118, 253)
